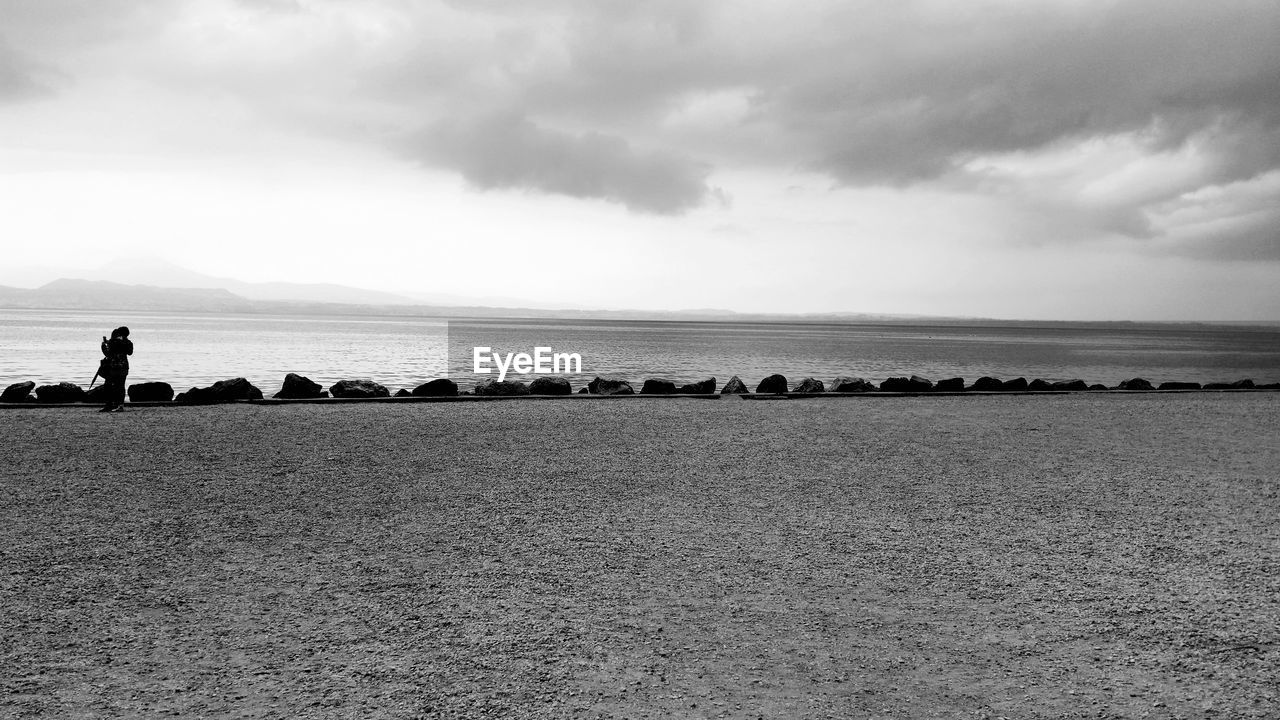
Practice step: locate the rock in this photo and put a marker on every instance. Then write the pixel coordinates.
(657, 386)
(1039, 385)
(297, 387)
(1237, 385)
(440, 387)
(358, 389)
(503, 388)
(950, 385)
(222, 391)
(702, 387)
(609, 386)
(1015, 385)
(550, 386)
(151, 392)
(735, 386)
(1174, 385)
(18, 392)
(403, 393)
(1069, 386)
(987, 384)
(774, 384)
(1269, 386)
(915, 383)
(1098, 386)
(63, 392)
(810, 385)
(1135, 384)
(582, 391)
(845, 384)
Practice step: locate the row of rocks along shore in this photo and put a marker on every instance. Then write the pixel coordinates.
(298, 387)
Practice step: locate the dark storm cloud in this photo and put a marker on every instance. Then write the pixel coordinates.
(875, 94)
(899, 102)
(508, 151)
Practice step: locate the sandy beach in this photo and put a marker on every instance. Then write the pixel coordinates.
(933, 557)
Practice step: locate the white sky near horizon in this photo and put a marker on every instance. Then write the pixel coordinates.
(1043, 159)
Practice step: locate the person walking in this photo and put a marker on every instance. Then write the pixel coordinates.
(115, 365)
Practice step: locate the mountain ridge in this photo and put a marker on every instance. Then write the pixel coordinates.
(80, 294)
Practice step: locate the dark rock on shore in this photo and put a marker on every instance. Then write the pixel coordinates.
(550, 386)
(915, 383)
(440, 387)
(702, 387)
(987, 384)
(1174, 385)
(223, 391)
(845, 384)
(658, 386)
(583, 391)
(609, 386)
(403, 393)
(151, 392)
(1098, 386)
(1014, 385)
(1069, 386)
(358, 389)
(63, 392)
(1135, 384)
(810, 385)
(735, 386)
(1269, 386)
(503, 388)
(1039, 385)
(18, 392)
(950, 385)
(774, 384)
(297, 387)
(1237, 385)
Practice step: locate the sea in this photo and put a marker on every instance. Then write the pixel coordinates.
(195, 349)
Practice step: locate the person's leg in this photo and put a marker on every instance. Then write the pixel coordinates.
(120, 391)
(111, 393)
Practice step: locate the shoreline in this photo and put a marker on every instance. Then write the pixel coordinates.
(638, 396)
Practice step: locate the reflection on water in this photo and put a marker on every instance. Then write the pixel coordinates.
(198, 349)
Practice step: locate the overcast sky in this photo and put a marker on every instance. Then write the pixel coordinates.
(1082, 159)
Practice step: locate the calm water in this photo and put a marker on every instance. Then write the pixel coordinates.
(197, 349)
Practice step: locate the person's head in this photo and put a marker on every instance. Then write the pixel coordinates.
(121, 331)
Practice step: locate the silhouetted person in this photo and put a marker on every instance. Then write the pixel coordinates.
(115, 353)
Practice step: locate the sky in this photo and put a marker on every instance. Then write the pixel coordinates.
(1041, 159)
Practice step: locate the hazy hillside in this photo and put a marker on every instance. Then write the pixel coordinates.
(73, 294)
(102, 295)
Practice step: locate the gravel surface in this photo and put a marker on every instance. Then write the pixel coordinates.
(976, 557)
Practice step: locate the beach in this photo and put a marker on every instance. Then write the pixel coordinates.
(1074, 555)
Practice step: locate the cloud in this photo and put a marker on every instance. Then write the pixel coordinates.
(507, 151)
(1239, 221)
(19, 79)
(1099, 114)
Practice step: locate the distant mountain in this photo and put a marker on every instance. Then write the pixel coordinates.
(72, 294)
(164, 274)
(160, 274)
